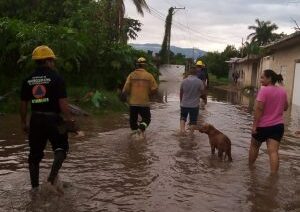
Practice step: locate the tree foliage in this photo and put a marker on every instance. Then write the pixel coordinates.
(79, 32)
(165, 47)
(263, 32)
(216, 61)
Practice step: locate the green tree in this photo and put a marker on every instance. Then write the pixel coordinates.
(250, 48)
(263, 32)
(216, 61)
(50, 11)
(117, 15)
(79, 32)
(230, 51)
(165, 47)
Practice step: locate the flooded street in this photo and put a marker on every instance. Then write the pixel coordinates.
(107, 171)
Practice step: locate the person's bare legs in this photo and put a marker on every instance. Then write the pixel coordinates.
(182, 127)
(273, 147)
(192, 129)
(253, 151)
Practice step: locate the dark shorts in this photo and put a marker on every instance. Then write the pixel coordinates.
(44, 128)
(192, 112)
(273, 132)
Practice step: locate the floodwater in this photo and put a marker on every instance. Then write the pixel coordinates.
(107, 171)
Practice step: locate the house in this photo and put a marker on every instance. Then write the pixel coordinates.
(247, 69)
(232, 67)
(283, 56)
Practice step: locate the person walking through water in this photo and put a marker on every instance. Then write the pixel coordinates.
(46, 92)
(203, 75)
(191, 90)
(268, 124)
(140, 84)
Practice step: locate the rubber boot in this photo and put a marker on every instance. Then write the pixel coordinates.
(34, 174)
(59, 158)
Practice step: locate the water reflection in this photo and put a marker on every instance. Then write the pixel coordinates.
(263, 192)
(106, 171)
(235, 97)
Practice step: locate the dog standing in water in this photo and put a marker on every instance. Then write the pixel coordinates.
(217, 141)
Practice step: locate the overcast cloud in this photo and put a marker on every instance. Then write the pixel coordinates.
(212, 24)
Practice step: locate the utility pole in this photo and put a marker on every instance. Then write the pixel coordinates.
(166, 45)
(242, 48)
(193, 53)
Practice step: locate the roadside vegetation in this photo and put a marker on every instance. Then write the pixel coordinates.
(89, 38)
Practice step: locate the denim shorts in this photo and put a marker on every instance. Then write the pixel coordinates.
(192, 112)
(273, 132)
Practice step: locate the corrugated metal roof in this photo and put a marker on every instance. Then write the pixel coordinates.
(233, 60)
(282, 40)
(244, 59)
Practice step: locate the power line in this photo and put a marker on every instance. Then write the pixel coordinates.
(184, 27)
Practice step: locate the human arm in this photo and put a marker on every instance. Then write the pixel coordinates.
(23, 115)
(154, 86)
(64, 108)
(202, 89)
(258, 112)
(181, 93)
(286, 105)
(25, 97)
(259, 106)
(207, 79)
(68, 119)
(126, 87)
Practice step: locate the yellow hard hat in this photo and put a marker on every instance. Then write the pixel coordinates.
(199, 63)
(141, 60)
(42, 52)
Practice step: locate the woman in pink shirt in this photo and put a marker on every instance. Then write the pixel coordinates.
(268, 125)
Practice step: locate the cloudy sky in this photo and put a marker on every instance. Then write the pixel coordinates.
(212, 24)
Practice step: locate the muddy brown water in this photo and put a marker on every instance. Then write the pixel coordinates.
(107, 171)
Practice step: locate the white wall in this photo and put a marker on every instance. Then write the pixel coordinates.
(296, 90)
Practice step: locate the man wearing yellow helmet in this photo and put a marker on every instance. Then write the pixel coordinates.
(46, 92)
(140, 84)
(203, 75)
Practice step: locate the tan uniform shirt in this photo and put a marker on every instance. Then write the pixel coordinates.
(139, 85)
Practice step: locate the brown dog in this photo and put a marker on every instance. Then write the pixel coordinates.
(217, 141)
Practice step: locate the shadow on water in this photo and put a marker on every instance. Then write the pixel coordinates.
(107, 171)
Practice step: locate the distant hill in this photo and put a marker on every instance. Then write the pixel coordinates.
(155, 48)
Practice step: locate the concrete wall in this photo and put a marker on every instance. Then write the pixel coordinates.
(245, 70)
(283, 61)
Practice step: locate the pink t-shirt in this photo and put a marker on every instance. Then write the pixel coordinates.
(274, 99)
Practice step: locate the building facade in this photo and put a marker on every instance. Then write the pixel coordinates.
(283, 56)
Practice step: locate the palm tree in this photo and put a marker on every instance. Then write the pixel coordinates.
(119, 7)
(264, 32)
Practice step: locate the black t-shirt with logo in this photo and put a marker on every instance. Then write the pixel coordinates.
(43, 88)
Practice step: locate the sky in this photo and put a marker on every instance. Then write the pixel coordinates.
(211, 25)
